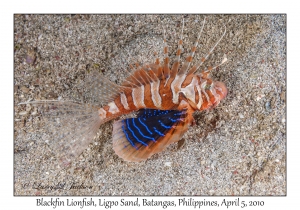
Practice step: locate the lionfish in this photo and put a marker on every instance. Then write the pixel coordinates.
(163, 96)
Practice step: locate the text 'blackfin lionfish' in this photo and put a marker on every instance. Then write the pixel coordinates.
(164, 97)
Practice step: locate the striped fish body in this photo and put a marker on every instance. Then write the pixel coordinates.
(164, 98)
(199, 93)
(136, 139)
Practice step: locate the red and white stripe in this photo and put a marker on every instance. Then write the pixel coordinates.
(163, 97)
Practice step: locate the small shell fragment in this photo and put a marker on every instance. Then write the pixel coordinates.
(30, 56)
(168, 164)
(22, 113)
(24, 89)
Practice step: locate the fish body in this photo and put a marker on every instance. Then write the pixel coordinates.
(199, 93)
(164, 98)
(186, 94)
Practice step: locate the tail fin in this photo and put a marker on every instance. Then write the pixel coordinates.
(68, 127)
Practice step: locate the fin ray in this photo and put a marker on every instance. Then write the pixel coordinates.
(68, 127)
(97, 90)
(136, 139)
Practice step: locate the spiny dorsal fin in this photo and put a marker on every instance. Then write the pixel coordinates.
(176, 63)
(166, 69)
(140, 77)
(197, 65)
(186, 65)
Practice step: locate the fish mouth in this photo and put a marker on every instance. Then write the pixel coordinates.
(222, 89)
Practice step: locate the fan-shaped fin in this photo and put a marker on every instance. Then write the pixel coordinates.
(136, 139)
(68, 128)
(97, 90)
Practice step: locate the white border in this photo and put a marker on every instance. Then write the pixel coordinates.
(153, 6)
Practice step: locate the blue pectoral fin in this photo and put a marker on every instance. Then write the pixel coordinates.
(134, 135)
